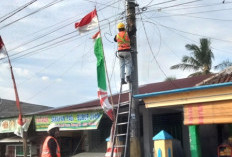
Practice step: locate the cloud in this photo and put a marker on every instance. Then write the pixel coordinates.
(22, 72)
(71, 67)
(59, 80)
(45, 78)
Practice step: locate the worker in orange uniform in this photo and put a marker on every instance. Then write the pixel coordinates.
(124, 51)
(51, 147)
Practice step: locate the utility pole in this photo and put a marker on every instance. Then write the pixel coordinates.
(134, 125)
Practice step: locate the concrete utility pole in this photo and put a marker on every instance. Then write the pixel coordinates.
(134, 125)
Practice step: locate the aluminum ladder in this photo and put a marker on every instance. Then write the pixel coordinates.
(122, 125)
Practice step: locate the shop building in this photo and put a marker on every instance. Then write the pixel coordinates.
(94, 139)
(80, 134)
(10, 144)
(205, 115)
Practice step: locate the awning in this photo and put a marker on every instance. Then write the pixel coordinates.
(191, 95)
(14, 139)
(218, 112)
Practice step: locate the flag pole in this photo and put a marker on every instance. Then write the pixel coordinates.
(108, 80)
(20, 121)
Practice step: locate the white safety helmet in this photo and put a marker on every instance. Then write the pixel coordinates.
(52, 126)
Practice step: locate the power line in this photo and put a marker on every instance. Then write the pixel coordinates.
(200, 6)
(46, 87)
(191, 40)
(47, 66)
(44, 35)
(48, 46)
(175, 5)
(47, 41)
(192, 33)
(153, 53)
(59, 27)
(180, 4)
(106, 4)
(161, 3)
(42, 8)
(52, 40)
(5, 17)
(207, 18)
(184, 14)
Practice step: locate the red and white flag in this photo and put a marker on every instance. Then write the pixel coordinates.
(87, 23)
(19, 126)
(2, 49)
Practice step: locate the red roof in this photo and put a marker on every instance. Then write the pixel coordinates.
(148, 88)
(222, 77)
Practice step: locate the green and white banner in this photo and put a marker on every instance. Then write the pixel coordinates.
(9, 125)
(70, 121)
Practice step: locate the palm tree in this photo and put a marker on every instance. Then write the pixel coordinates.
(223, 65)
(170, 78)
(200, 59)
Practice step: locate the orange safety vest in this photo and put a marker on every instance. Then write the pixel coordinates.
(45, 150)
(123, 40)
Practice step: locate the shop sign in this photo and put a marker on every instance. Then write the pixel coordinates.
(70, 121)
(9, 125)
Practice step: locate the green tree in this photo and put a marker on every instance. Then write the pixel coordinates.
(170, 78)
(223, 65)
(200, 59)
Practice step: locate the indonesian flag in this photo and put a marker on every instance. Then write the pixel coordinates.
(101, 77)
(88, 23)
(2, 49)
(20, 127)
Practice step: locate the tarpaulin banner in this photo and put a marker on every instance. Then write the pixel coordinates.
(8, 125)
(70, 121)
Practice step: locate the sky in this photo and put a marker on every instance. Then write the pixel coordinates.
(55, 66)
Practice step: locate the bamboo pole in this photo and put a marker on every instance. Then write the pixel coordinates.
(17, 104)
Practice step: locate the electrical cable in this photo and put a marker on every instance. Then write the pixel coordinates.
(47, 66)
(42, 43)
(148, 3)
(179, 4)
(42, 8)
(44, 35)
(154, 55)
(49, 46)
(200, 6)
(162, 3)
(46, 87)
(171, 30)
(103, 3)
(207, 18)
(184, 14)
(5, 17)
(192, 33)
(59, 27)
(46, 42)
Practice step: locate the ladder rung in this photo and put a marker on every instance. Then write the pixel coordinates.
(119, 146)
(123, 112)
(124, 123)
(121, 135)
(124, 104)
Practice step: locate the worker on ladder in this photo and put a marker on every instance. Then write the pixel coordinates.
(124, 51)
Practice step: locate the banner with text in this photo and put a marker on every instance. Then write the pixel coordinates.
(70, 121)
(9, 125)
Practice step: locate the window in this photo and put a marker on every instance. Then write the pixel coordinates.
(17, 151)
